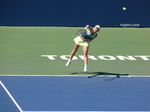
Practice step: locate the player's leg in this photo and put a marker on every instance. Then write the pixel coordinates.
(76, 47)
(85, 53)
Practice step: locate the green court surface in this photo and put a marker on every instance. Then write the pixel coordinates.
(44, 50)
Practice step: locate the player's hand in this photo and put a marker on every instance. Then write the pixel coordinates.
(87, 26)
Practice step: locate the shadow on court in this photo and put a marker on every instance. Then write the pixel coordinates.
(102, 74)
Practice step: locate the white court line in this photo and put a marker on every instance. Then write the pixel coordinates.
(86, 75)
(11, 97)
(86, 111)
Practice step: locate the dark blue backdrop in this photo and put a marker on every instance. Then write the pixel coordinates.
(75, 12)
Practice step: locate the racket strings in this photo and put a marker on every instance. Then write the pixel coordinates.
(78, 32)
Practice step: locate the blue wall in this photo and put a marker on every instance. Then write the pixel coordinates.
(75, 12)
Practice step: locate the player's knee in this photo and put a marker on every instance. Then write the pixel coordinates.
(85, 56)
(74, 50)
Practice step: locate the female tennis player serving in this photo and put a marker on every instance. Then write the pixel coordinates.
(86, 35)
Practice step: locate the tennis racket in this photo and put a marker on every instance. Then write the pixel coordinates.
(78, 32)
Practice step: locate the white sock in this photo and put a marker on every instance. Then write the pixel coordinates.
(85, 65)
(69, 60)
(85, 68)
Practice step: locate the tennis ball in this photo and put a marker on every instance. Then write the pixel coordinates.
(124, 8)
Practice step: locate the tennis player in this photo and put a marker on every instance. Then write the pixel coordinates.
(87, 35)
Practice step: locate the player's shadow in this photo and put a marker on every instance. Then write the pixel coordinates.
(102, 74)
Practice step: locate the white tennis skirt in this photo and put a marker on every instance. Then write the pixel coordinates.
(79, 41)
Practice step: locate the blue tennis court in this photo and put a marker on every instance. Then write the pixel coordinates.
(74, 93)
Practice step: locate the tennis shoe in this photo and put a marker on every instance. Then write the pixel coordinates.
(85, 70)
(68, 63)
